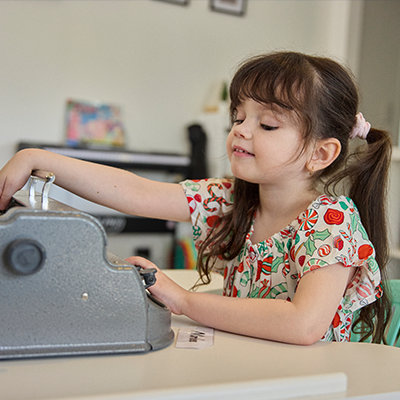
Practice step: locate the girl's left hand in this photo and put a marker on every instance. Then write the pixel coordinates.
(165, 289)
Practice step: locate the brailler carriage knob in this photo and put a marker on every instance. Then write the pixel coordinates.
(148, 276)
(25, 256)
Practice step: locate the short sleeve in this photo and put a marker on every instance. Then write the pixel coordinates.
(331, 232)
(208, 200)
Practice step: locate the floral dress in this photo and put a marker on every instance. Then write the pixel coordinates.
(328, 232)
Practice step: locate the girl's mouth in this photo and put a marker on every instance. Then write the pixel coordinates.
(239, 151)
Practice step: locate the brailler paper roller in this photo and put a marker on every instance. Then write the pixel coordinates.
(63, 293)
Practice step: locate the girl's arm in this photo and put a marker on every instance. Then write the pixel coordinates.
(302, 321)
(110, 187)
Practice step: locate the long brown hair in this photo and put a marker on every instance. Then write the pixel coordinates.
(322, 96)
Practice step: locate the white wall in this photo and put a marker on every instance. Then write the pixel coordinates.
(380, 65)
(157, 60)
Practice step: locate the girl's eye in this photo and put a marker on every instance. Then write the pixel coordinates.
(268, 127)
(237, 121)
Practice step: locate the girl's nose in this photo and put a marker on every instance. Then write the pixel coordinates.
(242, 130)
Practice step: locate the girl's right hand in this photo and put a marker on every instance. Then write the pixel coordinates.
(14, 175)
(165, 289)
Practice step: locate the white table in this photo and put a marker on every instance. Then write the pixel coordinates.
(236, 367)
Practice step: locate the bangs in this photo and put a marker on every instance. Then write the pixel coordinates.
(282, 80)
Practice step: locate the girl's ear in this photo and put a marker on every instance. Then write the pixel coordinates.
(324, 154)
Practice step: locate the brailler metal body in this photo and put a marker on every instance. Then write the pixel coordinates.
(63, 293)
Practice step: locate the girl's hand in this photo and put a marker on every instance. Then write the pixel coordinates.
(13, 177)
(165, 289)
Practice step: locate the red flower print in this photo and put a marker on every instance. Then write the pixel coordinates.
(365, 251)
(336, 320)
(333, 217)
(214, 220)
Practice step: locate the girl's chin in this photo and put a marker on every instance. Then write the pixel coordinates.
(243, 177)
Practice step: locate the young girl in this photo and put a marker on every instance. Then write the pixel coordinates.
(297, 263)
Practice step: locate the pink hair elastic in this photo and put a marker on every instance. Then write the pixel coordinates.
(361, 128)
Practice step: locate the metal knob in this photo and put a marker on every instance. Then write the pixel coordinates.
(25, 256)
(148, 276)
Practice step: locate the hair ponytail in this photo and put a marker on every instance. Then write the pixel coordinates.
(369, 188)
(366, 174)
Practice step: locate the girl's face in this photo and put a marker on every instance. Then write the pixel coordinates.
(265, 147)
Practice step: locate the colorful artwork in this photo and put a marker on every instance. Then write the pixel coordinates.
(93, 124)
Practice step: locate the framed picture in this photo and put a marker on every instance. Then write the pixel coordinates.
(93, 124)
(179, 2)
(234, 7)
